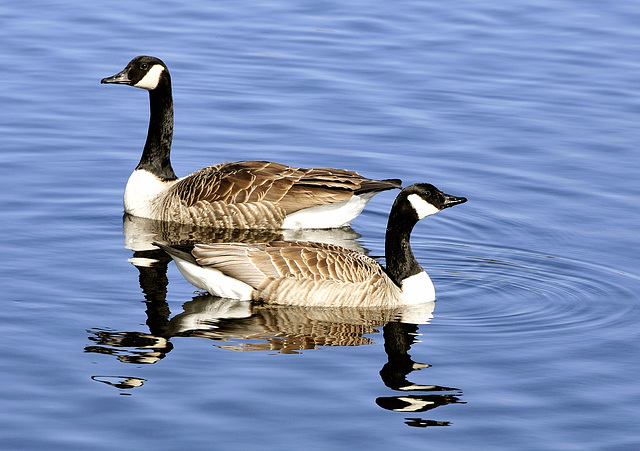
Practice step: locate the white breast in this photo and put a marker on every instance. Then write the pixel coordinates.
(418, 288)
(142, 189)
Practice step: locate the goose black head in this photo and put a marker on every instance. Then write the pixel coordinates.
(145, 72)
(425, 199)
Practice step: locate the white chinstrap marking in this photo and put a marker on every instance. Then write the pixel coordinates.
(413, 405)
(151, 79)
(338, 214)
(421, 206)
(418, 289)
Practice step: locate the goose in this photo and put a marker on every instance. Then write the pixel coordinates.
(238, 195)
(320, 274)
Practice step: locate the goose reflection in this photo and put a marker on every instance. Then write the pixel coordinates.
(247, 326)
(141, 232)
(122, 382)
(398, 338)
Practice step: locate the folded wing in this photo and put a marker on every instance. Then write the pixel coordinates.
(302, 273)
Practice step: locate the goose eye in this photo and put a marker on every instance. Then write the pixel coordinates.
(144, 66)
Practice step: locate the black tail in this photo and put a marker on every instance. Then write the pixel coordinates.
(375, 186)
(182, 252)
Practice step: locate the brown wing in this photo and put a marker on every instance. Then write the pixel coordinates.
(302, 273)
(244, 181)
(292, 189)
(257, 194)
(253, 263)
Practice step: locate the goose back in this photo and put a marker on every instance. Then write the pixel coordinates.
(303, 273)
(257, 194)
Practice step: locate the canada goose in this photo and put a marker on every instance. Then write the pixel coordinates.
(318, 274)
(240, 195)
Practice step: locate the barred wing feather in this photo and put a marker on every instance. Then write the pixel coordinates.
(259, 194)
(302, 273)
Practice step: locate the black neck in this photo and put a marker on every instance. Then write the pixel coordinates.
(156, 154)
(401, 263)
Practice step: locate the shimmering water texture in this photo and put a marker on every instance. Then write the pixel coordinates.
(528, 109)
(535, 294)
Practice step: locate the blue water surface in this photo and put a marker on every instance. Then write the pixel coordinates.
(529, 109)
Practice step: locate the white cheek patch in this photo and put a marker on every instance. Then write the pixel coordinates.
(421, 206)
(413, 404)
(151, 80)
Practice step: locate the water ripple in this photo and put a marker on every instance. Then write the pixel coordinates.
(517, 291)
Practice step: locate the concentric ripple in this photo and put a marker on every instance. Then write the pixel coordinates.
(520, 291)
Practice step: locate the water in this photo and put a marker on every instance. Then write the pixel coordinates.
(529, 109)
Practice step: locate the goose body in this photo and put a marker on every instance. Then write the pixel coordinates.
(318, 274)
(241, 195)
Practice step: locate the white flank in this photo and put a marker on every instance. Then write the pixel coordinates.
(328, 216)
(418, 289)
(142, 188)
(151, 80)
(421, 206)
(214, 281)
